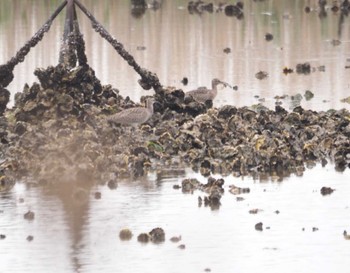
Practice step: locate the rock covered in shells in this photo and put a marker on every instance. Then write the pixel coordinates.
(4, 99)
(57, 132)
(156, 235)
(213, 188)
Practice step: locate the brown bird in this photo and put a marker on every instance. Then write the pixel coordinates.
(202, 94)
(133, 116)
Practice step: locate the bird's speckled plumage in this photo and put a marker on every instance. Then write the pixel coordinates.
(133, 116)
(203, 94)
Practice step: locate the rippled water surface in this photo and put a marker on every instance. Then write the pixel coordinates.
(176, 44)
(72, 236)
(75, 232)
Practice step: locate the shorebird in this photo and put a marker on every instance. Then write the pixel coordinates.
(202, 94)
(133, 116)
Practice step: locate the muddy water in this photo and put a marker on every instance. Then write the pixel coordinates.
(175, 44)
(72, 234)
(75, 236)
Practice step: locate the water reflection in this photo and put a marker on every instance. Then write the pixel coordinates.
(75, 236)
(76, 204)
(177, 44)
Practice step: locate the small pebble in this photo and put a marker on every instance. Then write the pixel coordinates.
(97, 195)
(261, 75)
(29, 215)
(175, 239)
(268, 37)
(227, 50)
(259, 226)
(125, 234)
(2, 236)
(326, 190)
(184, 81)
(176, 187)
(30, 238)
(112, 185)
(143, 238)
(182, 246)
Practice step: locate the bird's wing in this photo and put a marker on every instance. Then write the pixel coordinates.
(199, 91)
(124, 115)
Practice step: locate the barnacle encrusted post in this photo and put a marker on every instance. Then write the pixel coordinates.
(73, 45)
(6, 70)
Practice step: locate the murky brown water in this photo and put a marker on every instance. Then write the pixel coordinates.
(71, 236)
(180, 45)
(82, 236)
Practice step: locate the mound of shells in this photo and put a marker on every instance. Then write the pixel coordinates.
(57, 131)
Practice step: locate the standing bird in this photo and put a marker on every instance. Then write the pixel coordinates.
(133, 116)
(202, 94)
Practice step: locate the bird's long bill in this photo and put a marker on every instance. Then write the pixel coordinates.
(225, 84)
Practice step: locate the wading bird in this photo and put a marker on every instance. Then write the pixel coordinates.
(133, 116)
(202, 94)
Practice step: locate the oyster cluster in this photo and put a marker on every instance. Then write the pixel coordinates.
(58, 131)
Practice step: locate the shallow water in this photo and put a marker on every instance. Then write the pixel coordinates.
(179, 45)
(73, 235)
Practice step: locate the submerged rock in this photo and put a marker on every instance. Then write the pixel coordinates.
(175, 239)
(261, 75)
(29, 215)
(268, 37)
(143, 238)
(303, 68)
(326, 190)
(308, 95)
(125, 234)
(259, 226)
(157, 235)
